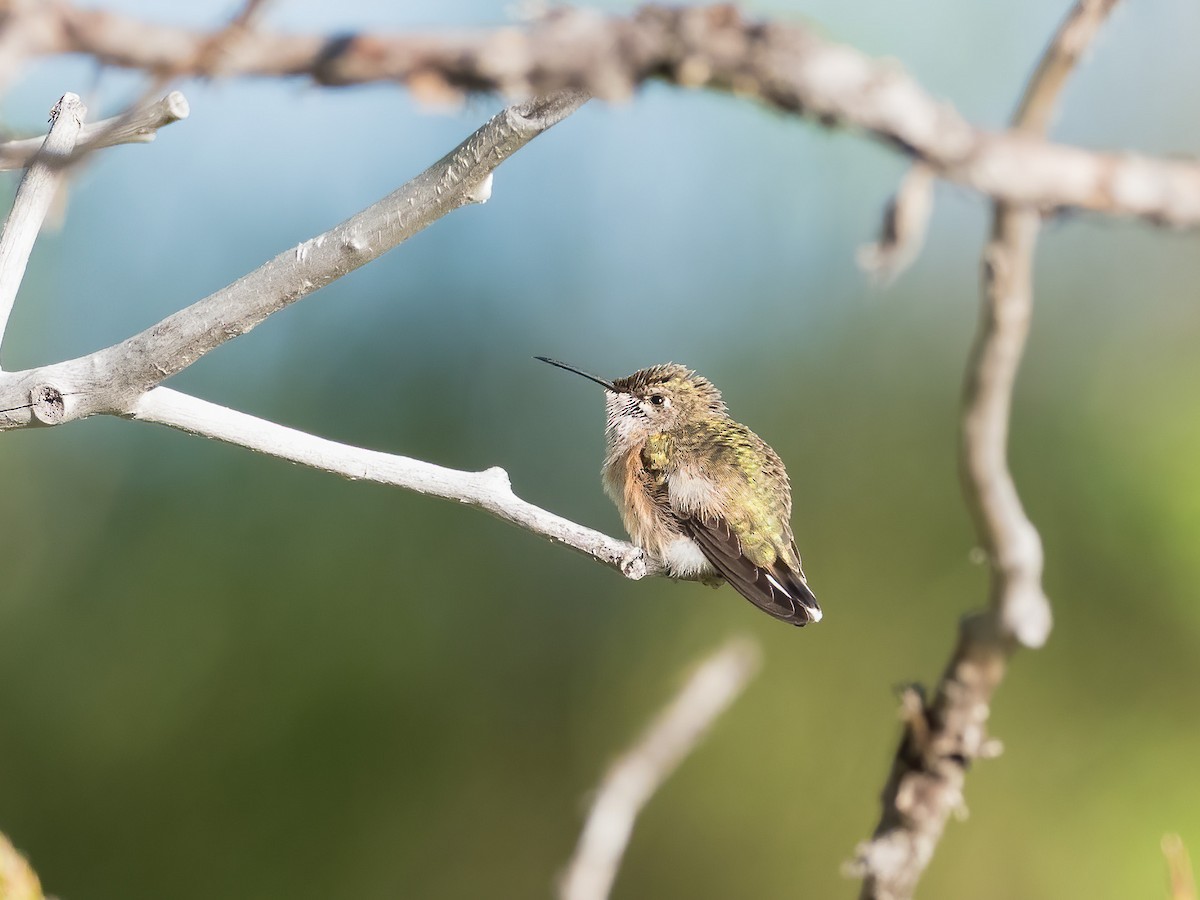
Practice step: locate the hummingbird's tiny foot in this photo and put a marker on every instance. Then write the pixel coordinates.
(633, 564)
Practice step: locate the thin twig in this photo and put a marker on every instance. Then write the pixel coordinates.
(632, 780)
(786, 65)
(33, 199)
(111, 380)
(926, 782)
(905, 224)
(489, 490)
(138, 126)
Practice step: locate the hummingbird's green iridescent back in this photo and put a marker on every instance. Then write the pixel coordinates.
(702, 492)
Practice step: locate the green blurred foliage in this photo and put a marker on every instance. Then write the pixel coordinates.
(221, 675)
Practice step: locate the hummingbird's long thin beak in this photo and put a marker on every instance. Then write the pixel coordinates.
(562, 365)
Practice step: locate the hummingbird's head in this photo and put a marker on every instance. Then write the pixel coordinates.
(658, 399)
(654, 400)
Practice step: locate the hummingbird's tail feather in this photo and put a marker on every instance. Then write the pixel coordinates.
(806, 599)
(777, 589)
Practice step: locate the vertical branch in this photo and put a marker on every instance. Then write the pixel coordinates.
(1014, 550)
(1012, 543)
(33, 199)
(633, 779)
(943, 737)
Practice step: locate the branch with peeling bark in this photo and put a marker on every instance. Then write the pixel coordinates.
(634, 778)
(785, 65)
(943, 737)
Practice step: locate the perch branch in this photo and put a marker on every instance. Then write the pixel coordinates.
(786, 65)
(489, 490)
(112, 379)
(632, 780)
(941, 739)
(33, 199)
(138, 126)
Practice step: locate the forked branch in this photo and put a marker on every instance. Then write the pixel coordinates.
(139, 125)
(943, 737)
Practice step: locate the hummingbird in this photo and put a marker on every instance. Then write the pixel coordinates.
(700, 492)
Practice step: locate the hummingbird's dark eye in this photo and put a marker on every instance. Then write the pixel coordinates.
(657, 399)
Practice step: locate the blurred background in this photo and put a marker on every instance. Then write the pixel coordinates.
(222, 675)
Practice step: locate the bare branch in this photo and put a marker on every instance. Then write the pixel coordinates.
(905, 223)
(33, 199)
(213, 52)
(489, 490)
(138, 126)
(1010, 539)
(111, 380)
(634, 777)
(1036, 110)
(942, 739)
(787, 66)
(1014, 550)
(1179, 868)
(18, 881)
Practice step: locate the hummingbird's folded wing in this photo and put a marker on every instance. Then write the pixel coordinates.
(775, 589)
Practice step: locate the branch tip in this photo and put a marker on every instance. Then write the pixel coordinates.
(69, 104)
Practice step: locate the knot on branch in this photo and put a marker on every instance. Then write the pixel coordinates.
(496, 479)
(47, 404)
(480, 192)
